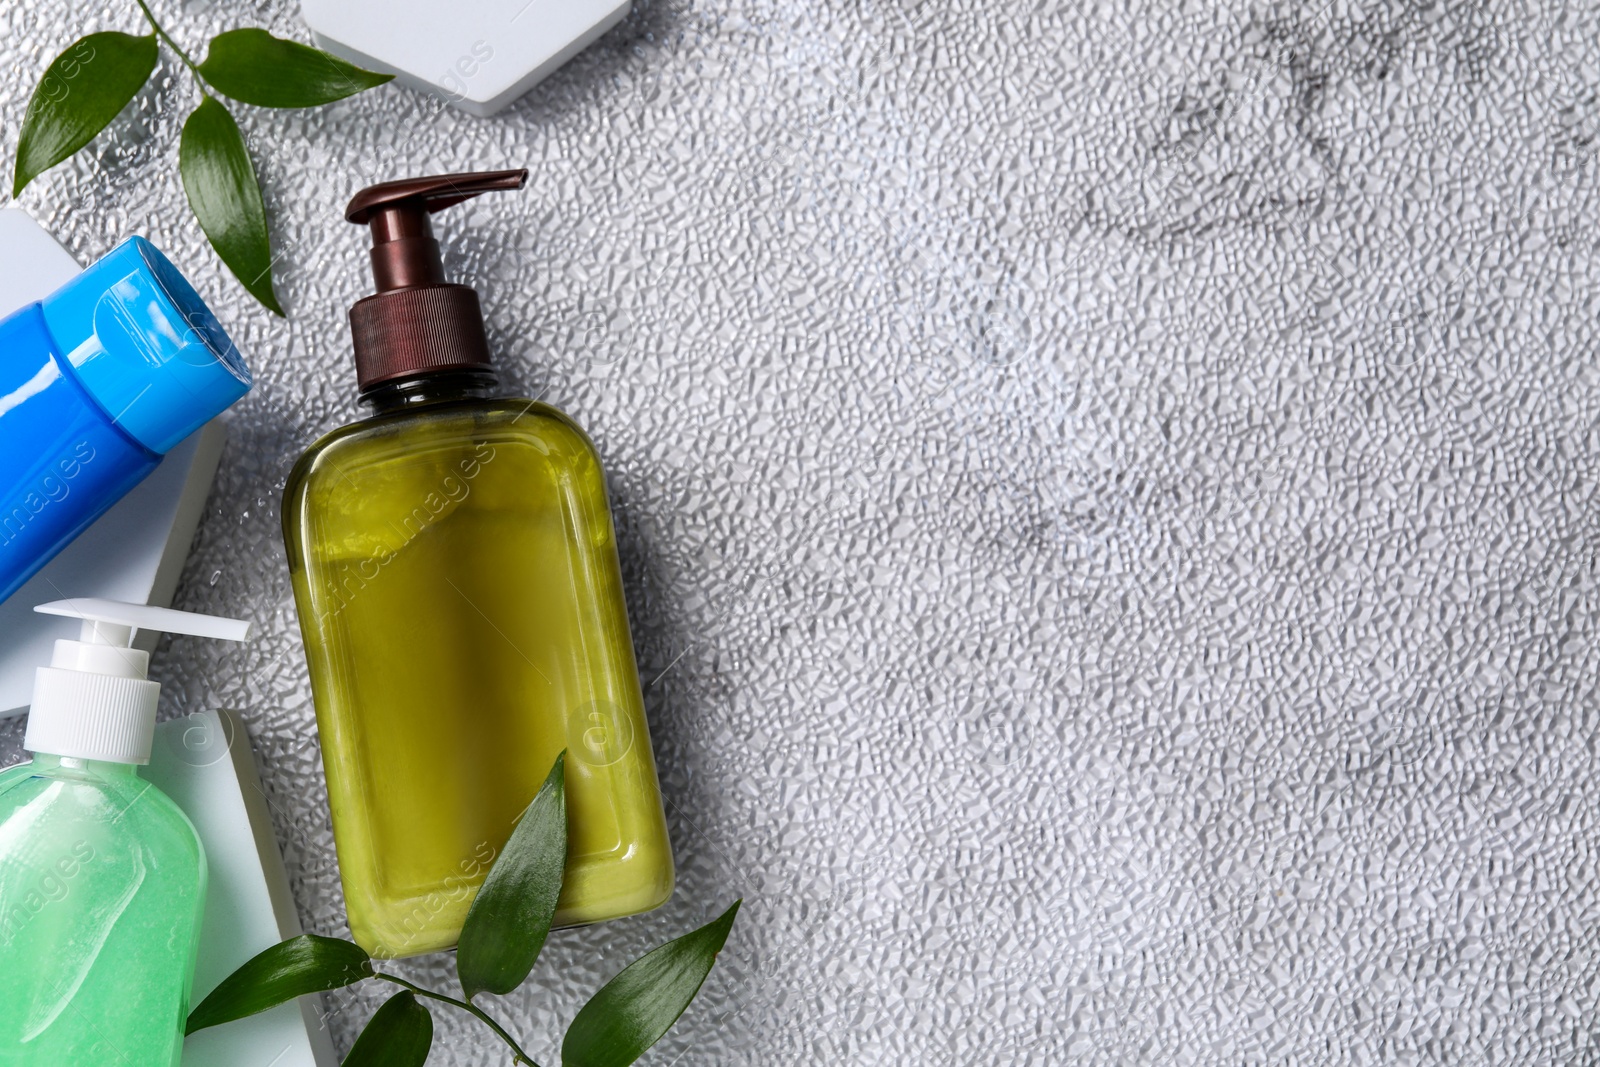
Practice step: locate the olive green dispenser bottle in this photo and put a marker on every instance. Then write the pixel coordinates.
(455, 573)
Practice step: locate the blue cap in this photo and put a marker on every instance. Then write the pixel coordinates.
(145, 345)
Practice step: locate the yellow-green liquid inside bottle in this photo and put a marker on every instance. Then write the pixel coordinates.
(456, 576)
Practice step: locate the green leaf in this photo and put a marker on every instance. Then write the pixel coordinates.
(633, 1010)
(399, 1034)
(510, 917)
(304, 964)
(224, 196)
(81, 91)
(254, 67)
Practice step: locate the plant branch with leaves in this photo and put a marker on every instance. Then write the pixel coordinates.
(502, 936)
(89, 84)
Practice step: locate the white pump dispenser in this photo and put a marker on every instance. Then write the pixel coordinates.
(94, 700)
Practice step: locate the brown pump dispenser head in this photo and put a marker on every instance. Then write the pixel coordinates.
(417, 322)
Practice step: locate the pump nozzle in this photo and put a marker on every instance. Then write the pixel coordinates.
(98, 614)
(417, 322)
(404, 252)
(94, 701)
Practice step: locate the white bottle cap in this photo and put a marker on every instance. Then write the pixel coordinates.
(94, 701)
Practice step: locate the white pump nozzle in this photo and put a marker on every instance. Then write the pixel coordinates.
(94, 612)
(94, 701)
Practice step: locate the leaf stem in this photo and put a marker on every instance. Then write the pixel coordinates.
(161, 33)
(522, 1057)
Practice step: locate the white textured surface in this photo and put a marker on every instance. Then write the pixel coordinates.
(1107, 496)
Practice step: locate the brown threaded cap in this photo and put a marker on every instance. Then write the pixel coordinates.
(415, 331)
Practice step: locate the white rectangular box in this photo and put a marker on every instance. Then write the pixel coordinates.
(204, 762)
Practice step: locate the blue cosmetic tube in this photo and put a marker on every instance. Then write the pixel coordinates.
(98, 381)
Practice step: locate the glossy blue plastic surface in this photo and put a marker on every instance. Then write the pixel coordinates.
(63, 461)
(142, 343)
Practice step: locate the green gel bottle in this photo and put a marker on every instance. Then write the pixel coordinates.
(455, 574)
(102, 879)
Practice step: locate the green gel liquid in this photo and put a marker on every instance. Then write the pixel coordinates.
(102, 882)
